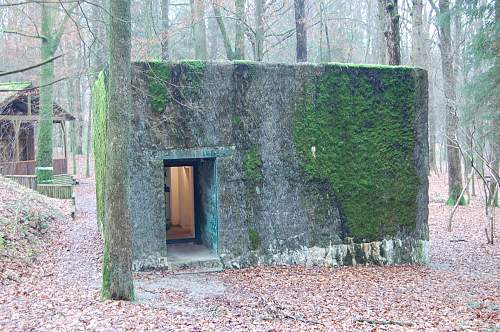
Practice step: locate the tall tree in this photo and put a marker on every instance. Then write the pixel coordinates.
(392, 34)
(50, 37)
(300, 30)
(496, 115)
(238, 52)
(165, 24)
(97, 64)
(417, 35)
(433, 123)
(259, 30)
(199, 29)
(239, 38)
(117, 283)
(419, 59)
(449, 86)
(324, 30)
(380, 40)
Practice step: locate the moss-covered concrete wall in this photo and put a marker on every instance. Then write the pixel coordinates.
(327, 160)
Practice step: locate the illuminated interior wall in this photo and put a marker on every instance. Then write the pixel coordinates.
(182, 198)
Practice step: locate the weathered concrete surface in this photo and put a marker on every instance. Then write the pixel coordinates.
(384, 252)
(271, 212)
(192, 258)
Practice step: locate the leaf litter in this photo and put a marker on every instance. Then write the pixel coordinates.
(51, 281)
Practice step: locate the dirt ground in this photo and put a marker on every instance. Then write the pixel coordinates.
(460, 290)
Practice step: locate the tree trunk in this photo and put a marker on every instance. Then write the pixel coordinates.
(199, 29)
(392, 34)
(496, 117)
(239, 40)
(225, 38)
(426, 47)
(453, 155)
(259, 30)
(44, 151)
(89, 141)
(301, 31)
(117, 283)
(417, 36)
(380, 40)
(213, 38)
(72, 95)
(165, 24)
(97, 63)
(147, 9)
(328, 43)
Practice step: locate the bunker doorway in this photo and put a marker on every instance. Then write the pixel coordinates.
(191, 202)
(179, 202)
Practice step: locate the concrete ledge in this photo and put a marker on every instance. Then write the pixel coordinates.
(149, 263)
(386, 252)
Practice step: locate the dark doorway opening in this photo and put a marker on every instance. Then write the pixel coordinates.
(191, 201)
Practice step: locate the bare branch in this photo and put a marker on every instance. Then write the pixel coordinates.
(24, 34)
(30, 67)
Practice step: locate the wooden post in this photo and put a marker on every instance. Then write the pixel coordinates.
(63, 126)
(17, 126)
(29, 105)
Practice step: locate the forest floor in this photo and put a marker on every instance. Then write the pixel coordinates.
(57, 286)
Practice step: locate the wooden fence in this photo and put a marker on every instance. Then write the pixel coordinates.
(61, 187)
(28, 181)
(27, 167)
(60, 191)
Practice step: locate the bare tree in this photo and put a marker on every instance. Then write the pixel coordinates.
(449, 87)
(239, 38)
(238, 52)
(259, 30)
(392, 34)
(165, 23)
(199, 29)
(417, 37)
(380, 40)
(301, 30)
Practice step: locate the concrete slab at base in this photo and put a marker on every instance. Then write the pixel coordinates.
(192, 258)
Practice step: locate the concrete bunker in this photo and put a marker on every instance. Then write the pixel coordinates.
(284, 164)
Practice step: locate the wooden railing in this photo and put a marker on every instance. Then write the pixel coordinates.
(61, 186)
(28, 167)
(28, 181)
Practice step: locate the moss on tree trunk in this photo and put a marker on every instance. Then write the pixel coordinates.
(117, 281)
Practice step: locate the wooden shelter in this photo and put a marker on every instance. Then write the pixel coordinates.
(19, 114)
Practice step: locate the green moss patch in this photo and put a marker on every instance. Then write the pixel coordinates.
(252, 165)
(452, 201)
(99, 108)
(193, 71)
(353, 129)
(158, 80)
(254, 238)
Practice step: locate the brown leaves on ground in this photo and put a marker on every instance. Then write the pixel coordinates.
(460, 290)
(24, 217)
